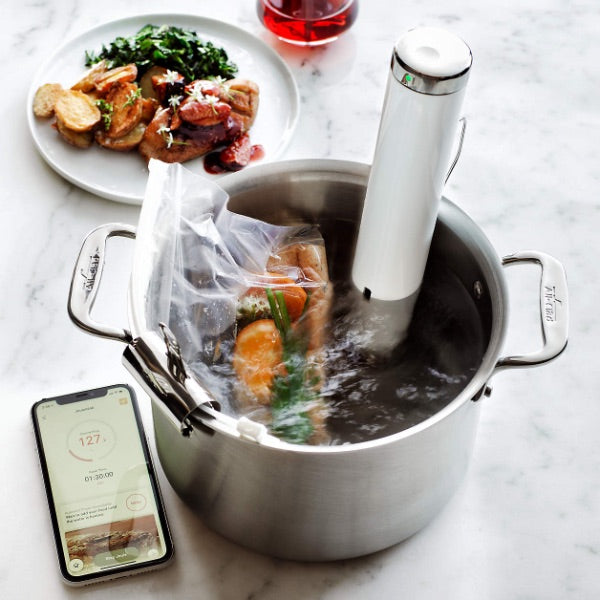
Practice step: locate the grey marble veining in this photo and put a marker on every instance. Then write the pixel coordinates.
(525, 524)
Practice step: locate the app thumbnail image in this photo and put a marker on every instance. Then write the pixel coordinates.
(100, 545)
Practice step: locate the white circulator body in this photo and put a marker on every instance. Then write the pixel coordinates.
(417, 133)
(412, 157)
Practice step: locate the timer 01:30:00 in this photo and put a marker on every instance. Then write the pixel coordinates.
(98, 476)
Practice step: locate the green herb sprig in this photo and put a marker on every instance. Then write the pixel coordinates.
(294, 391)
(106, 110)
(132, 97)
(167, 46)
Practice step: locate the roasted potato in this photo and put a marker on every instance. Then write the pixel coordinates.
(128, 142)
(146, 85)
(126, 105)
(243, 95)
(149, 108)
(77, 111)
(88, 82)
(75, 138)
(93, 95)
(125, 74)
(45, 98)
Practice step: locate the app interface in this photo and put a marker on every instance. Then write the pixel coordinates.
(105, 504)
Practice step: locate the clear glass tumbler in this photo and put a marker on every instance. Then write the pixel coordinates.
(307, 22)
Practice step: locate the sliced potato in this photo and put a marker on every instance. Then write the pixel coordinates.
(75, 138)
(124, 74)
(88, 81)
(45, 98)
(130, 141)
(127, 108)
(149, 107)
(77, 111)
(243, 95)
(93, 95)
(148, 90)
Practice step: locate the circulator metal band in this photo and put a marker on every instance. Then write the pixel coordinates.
(427, 84)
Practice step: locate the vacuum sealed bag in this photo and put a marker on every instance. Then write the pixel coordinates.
(247, 301)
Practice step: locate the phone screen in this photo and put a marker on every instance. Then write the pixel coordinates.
(103, 494)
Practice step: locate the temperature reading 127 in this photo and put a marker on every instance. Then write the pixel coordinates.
(91, 440)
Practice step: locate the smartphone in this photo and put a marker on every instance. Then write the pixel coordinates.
(107, 513)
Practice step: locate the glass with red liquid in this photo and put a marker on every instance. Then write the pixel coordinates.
(307, 22)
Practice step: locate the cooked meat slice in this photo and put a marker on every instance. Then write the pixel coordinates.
(206, 112)
(169, 145)
(155, 142)
(238, 154)
(211, 115)
(167, 84)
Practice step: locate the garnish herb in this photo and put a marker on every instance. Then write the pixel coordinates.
(174, 102)
(106, 109)
(171, 76)
(132, 97)
(293, 391)
(167, 46)
(195, 92)
(167, 135)
(211, 101)
(220, 81)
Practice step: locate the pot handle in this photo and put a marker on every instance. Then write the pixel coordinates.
(554, 310)
(86, 281)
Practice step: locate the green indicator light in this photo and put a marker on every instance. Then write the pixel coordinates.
(407, 77)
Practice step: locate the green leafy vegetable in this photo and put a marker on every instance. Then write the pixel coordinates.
(167, 46)
(293, 392)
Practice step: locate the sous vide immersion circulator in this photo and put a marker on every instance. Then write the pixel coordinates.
(418, 130)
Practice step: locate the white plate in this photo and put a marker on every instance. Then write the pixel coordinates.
(122, 176)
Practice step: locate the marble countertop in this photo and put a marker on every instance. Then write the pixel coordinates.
(525, 523)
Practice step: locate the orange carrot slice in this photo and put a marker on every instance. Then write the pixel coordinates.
(293, 295)
(257, 357)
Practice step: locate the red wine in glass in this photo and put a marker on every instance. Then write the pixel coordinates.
(307, 22)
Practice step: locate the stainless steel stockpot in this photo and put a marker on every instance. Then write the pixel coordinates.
(304, 502)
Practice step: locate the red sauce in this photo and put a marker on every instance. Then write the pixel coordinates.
(211, 135)
(212, 163)
(214, 166)
(257, 152)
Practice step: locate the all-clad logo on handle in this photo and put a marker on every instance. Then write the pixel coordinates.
(551, 303)
(89, 275)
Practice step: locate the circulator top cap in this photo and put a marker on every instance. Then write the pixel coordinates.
(432, 61)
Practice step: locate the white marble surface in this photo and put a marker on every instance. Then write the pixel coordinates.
(526, 522)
